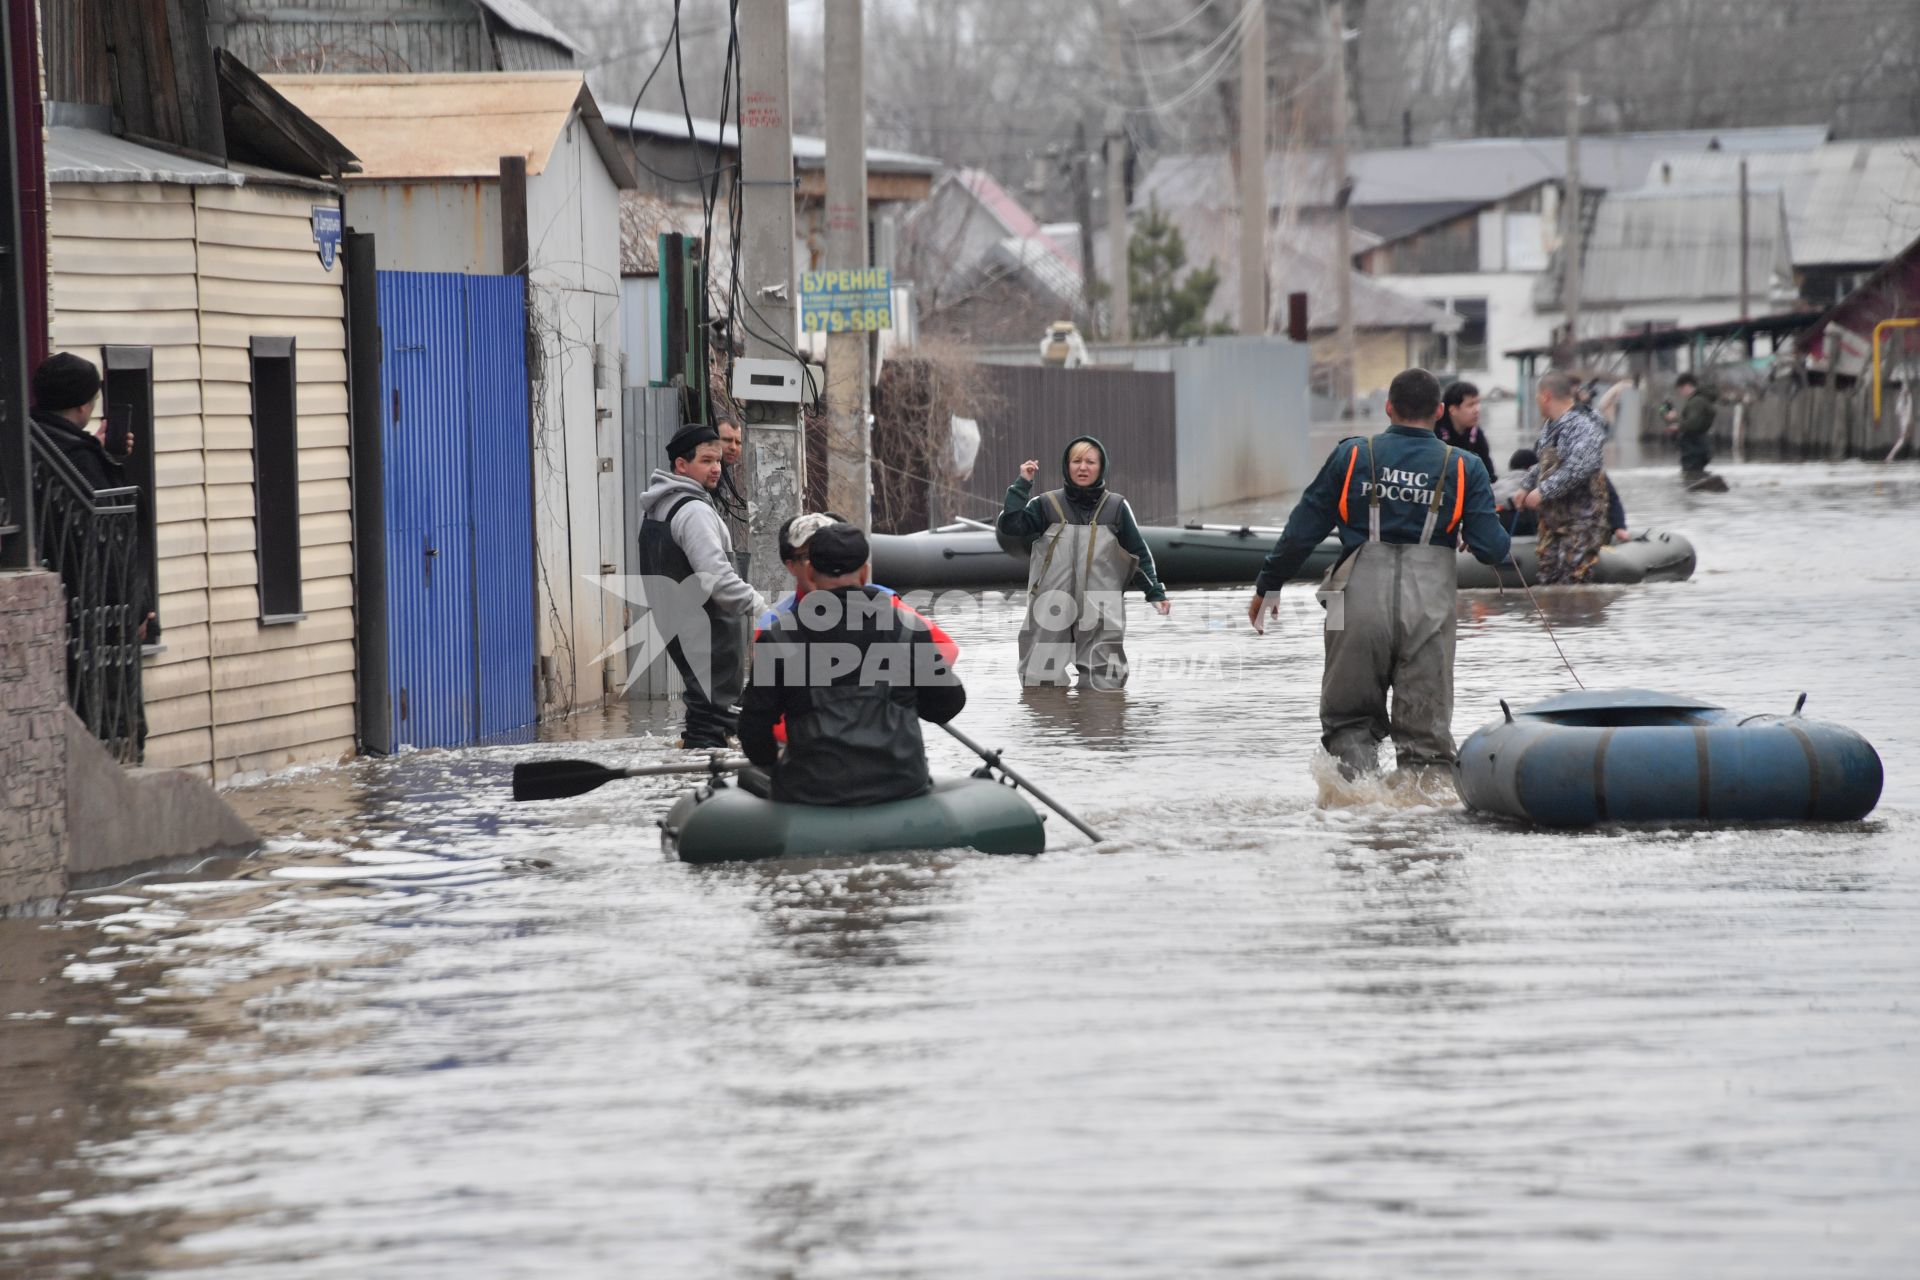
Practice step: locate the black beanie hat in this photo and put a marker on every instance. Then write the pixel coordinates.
(65, 381)
(689, 438)
(838, 549)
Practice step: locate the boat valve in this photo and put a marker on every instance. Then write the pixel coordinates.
(1801, 702)
(1506, 710)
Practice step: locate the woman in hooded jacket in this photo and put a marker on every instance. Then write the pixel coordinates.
(1084, 550)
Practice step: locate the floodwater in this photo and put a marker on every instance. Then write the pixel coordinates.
(429, 1034)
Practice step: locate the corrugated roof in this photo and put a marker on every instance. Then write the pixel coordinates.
(1038, 258)
(808, 152)
(528, 21)
(1680, 246)
(1465, 173)
(453, 125)
(1847, 202)
(84, 155)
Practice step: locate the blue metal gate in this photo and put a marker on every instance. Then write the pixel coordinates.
(458, 493)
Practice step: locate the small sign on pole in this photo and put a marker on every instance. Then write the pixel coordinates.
(849, 301)
(326, 232)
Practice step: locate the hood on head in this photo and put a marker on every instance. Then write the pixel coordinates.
(1068, 452)
(664, 487)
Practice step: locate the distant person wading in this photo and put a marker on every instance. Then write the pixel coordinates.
(1084, 551)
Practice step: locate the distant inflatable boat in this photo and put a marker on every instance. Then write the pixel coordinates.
(1633, 755)
(1199, 555)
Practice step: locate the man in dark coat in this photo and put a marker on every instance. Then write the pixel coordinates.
(853, 676)
(1694, 426)
(66, 388)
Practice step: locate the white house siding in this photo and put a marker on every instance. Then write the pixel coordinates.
(195, 273)
(573, 234)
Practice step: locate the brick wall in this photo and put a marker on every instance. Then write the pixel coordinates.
(33, 740)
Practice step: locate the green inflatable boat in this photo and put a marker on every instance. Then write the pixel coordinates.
(722, 823)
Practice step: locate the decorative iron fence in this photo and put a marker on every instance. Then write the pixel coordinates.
(92, 540)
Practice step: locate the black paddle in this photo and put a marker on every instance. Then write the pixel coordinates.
(557, 779)
(993, 759)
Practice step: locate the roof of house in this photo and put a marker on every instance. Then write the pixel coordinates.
(1892, 291)
(808, 152)
(451, 125)
(1663, 245)
(1447, 179)
(1014, 219)
(1038, 259)
(87, 155)
(1847, 202)
(524, 18)
(1301, 259)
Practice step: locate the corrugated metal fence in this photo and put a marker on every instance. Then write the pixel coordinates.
(1034, 412)
(1243, 421)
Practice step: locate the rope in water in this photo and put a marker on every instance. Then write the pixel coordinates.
(1535, 600)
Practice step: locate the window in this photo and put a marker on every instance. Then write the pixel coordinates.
(126, 402)
(276, 478)
(1464, 350)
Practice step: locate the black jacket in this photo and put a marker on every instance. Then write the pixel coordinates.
(1471, 439)
(84, 450)
(853, 676)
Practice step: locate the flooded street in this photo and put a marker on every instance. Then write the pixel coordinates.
(428, 1033)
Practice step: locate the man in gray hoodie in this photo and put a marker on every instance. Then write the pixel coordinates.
(684, 538)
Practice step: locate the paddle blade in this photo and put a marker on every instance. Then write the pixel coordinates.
(558, 779)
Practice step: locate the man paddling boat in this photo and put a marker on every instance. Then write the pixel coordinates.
(1399, 500)
(852, 676)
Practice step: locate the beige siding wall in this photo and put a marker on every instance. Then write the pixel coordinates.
(196, 273)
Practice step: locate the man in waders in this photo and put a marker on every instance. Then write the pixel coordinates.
(683, 538)
(1567, 486)
(1400, 501)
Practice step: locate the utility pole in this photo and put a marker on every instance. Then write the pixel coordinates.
(1119, 278)
(1253, 171)
(776, 448)
(1745, 231)
(849, 439)
(1343, 222)
(1570, 238)
(1077, 166)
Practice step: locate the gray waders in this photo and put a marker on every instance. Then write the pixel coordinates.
(1076, 574)
(1390, 624)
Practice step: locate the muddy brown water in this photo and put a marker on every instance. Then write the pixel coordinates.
(427, 1033)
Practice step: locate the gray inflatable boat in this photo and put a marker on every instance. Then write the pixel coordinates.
(1202, 555)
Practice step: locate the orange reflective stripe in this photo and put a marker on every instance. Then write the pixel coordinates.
(1459, 495)
(1348, 483)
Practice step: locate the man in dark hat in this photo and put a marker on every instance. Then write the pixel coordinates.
(684, 538)
(853, 676)
(66, 388)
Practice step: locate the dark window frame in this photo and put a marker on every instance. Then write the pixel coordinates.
(274, 382)
(126, 390)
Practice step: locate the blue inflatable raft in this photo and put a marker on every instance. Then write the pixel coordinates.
(1633, 755)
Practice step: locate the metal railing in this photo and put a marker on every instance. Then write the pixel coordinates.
(92, 540)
